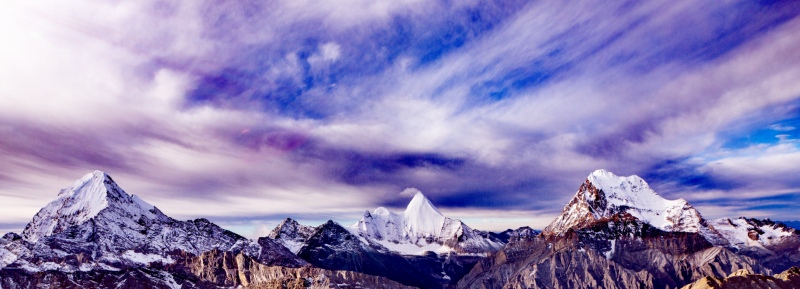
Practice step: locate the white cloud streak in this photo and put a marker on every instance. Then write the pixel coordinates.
(112, 79)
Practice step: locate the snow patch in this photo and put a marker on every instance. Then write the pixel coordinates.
(293, 246)
(142, 204)
(6, 257)
(145, 258)
(610, 252)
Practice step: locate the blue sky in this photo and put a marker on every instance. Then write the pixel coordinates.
(247, 112)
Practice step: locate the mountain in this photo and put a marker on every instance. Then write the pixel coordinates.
(616, 232)
(516, 234)
(422, 228)
(745, 279)
(95, 216)
(418, 247)
(83, 201)
(605, 196)
(95, 235)
(333, 247)
(773, 244)
(291, 234)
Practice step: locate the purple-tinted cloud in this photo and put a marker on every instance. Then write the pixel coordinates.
(249, 111)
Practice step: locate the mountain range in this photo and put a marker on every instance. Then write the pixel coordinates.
(616, 232)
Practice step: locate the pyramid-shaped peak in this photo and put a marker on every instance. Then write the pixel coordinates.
(421, 217)
(76, 204)
(420, 205)
(96, 186)
(287, 226)
(99, 174)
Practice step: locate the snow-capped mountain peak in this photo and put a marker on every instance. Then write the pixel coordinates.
(421, 218)
(420, 205)
(380, 211)
(84, 200)
(604, 195)
(420, 228)
(291, 234)
(96, 217)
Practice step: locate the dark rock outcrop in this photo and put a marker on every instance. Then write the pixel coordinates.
(516, 234)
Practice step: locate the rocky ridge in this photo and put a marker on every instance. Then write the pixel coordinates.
(516, 234)
(291, 234)
(774, 245)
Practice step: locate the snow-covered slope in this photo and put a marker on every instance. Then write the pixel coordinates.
(96, 217)
(605, 195)
(743, 232)
(291, 234)
(420, 228)
(82, 201)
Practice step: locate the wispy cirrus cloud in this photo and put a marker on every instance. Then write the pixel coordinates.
(249, 111)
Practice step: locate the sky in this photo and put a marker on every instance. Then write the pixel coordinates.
(248, 112)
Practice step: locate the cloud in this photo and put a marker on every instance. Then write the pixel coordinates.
(779, 127)
(409, 192)
(247, 112)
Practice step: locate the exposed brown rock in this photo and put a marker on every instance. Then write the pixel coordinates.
(543, 264)
(213, 269)
(228, 269)
(744, 279)
(597, 258)
(753, 235)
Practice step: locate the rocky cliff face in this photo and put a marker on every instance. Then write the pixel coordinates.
(579, 260)
(213, 269)
(537, 263)
(746, 279)
(229, 269)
